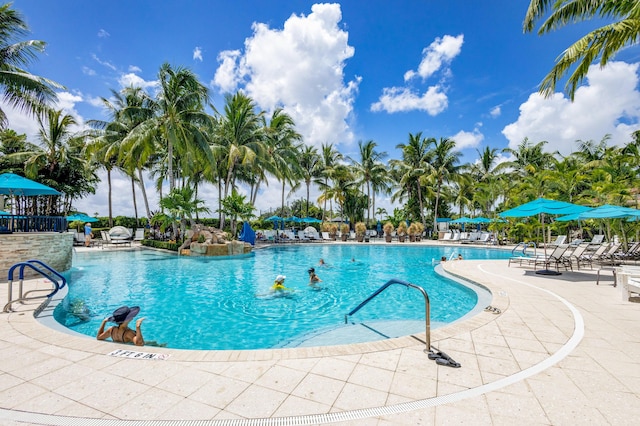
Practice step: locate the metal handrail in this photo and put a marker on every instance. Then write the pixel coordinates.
(427, 305)
(22, 296)
(525, 246)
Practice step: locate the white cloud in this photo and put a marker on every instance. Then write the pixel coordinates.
(103, 33)
(402, 99)
(132, 79)
(441, 52)
(437, 56)
(135, 69)
(103, 63)
(468, 139)
(88, 71)
(495, 111)
(299, 67)
(226, 77)
(197, 54)
(608, 104)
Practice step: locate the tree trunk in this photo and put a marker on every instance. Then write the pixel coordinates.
(144, 194)
(110, 206)
(133, 193)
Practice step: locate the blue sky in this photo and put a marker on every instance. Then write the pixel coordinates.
(350, 71)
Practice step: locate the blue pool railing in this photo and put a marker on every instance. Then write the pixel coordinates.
(427, 305)
(42, 269)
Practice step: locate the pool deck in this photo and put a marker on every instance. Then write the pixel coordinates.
(563, 351)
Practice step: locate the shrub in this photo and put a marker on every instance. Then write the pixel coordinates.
(361, 229)
(344, 228)
(388, 228)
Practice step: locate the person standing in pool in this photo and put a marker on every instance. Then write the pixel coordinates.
(278, 285)
(313, 278)
(121, 333)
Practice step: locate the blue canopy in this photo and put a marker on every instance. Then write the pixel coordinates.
(463, 219)
(606, 211)
(543, 205)
(293, 219)
(481, 220)
(81, 217)
(12, 184)
(275, 218)
(3, 213)
(310, 220)
(248, 235)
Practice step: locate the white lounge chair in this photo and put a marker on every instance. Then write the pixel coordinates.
(326, 237)
(139, 236)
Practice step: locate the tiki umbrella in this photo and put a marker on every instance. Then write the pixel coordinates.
(544, 206)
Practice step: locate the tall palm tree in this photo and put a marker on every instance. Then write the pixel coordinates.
(600, 44)
(444, 165)
(368, 164)
(413, 167)
(20, 89)
(180, 119)
(331, 158)
(310, 168)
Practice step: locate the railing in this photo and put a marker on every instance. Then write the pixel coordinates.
(427, 305)
(523, 248)
(22, 223)
(36, 265)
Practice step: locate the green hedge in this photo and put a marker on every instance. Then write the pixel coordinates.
(161, 245)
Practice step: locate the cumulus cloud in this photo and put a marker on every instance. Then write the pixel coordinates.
(227, 76)
(88, 71)
(468, 139)
(103, 33)
(132, 79)
(439, 53)
(135, 69)
(436, 57)
(197, 54)
(300, 68)
(495, 111)
(561, 122)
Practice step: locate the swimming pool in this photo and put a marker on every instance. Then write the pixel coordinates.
(225, 303)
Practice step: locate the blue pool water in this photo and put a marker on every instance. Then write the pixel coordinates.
(225, 303)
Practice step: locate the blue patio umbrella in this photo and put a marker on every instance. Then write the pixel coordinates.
(293, 219)
(606, 211)
(3, 213)
(274, 218)
(544, 206)
(12, 184)
(81, 217)
(462, 219)
(310, 220)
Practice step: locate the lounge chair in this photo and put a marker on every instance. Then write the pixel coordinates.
(557, 258)
(326, 237)
(560, 239)
(577, 253)
(117, 241)
(139, 235)
(446, 236)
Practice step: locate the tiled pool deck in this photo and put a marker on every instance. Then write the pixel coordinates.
(563, 351)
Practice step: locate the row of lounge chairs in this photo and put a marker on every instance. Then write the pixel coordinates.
(469, 237)
(581, 255)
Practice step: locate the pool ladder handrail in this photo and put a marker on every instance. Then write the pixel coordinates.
(525, 245)
(38, 267)
(427, 305)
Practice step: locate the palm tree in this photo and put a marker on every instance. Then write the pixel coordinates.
(281, 149)
(444, 166)
(330, 161)
(180, 120)
(602, 43)
(310, 168)
(369, 164)
(20, 89)
(183, 204)
(413, 167)
(235, 205)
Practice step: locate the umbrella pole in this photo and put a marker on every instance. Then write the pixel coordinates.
(546, 271)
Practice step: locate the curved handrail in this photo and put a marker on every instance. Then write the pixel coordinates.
(525, 246)
(31, 264)
(392, 281)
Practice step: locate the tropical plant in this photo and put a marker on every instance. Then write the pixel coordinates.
(602, 43)
(182, 205)
(236, 206)
(361, 229)
(20, 89)
(402, 228)
(388, 228)
(344, 228)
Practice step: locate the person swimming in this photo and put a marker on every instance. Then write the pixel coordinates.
(313, 278)
(278, 285)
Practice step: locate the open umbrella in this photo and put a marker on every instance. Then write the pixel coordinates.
(3, 213)
(12, 184)
(463, 219)
(81, 217)
(544, 206)
(606, 211)
(293, 219)
(310, 220)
